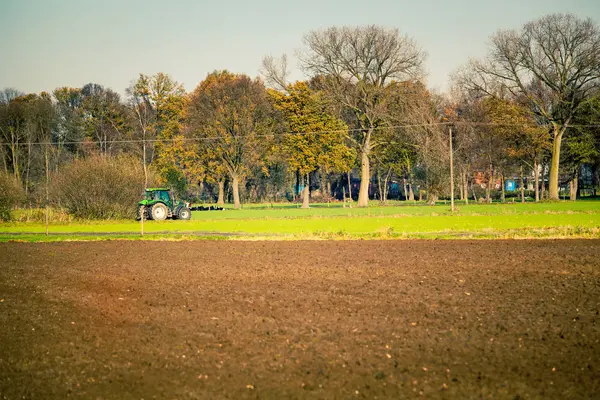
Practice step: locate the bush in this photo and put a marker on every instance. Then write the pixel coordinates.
(39, 215)
(99, 187)
(11, 194)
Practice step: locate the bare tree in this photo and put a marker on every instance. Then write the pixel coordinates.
(9, 94)
(554, 62)
(144, 114)
(103, 116)
(355, 66)
(155, 103)
(275, 72)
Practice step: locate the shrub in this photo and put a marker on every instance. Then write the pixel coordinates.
(39, 215)
(11, 194)
(99, 187)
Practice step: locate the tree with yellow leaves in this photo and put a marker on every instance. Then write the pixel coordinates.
(158, 103)
(313, 139)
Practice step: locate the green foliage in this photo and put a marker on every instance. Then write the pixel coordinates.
(175, 179)
(99, 187)
(11, 195)
(582, 144)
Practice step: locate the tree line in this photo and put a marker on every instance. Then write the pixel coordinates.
(529, 109)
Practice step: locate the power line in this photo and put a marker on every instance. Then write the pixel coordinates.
(201, 139)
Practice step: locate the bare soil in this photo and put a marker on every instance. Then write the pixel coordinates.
(273, 320)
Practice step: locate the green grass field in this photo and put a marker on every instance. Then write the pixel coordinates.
(333, 221)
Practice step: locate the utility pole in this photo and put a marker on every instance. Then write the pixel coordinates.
(451, 172)
(142, 212)
(47, 184)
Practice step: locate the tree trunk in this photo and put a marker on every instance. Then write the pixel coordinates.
(325, 186)
(221, 199)
(28, 167)
(365, 177)
(349, 186)
(380, 187)
(543, 191)
(144, 160)
(537, 180)
(488, 192)
(411, 193)
(385, 185)
(306, 192)
(462, 186)
(554, 164)
(466, 187)
(235, 183)
(297, 191)
(573, 186)
(522, 186)
(4, 160)
(15, 161)
(431, 198)
(503, 196)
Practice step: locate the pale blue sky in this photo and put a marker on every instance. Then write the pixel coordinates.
(45, 44)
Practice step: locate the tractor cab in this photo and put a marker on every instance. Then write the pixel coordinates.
(160, 204)
(160, 194)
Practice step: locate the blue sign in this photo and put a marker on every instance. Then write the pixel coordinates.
(509, 185)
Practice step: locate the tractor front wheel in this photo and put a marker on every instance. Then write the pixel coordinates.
(159, 212)
(184, 213)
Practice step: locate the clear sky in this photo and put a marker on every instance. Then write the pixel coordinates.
(45, 44)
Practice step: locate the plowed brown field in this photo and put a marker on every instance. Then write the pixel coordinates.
(273, 320)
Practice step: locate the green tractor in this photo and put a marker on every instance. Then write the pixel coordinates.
(160, 204)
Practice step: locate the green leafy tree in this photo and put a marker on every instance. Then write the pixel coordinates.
(582, 143)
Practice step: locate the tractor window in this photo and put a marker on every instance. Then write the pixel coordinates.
(164, 196)
(152, 195)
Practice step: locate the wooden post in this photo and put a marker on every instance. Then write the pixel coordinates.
(47, 190)
(451, 173)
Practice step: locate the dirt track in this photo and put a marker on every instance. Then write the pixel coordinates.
(391, 319)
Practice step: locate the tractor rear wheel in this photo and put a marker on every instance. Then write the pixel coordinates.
(184, 213)
(159, 212)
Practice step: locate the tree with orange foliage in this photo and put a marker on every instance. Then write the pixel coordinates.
(231, 115)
